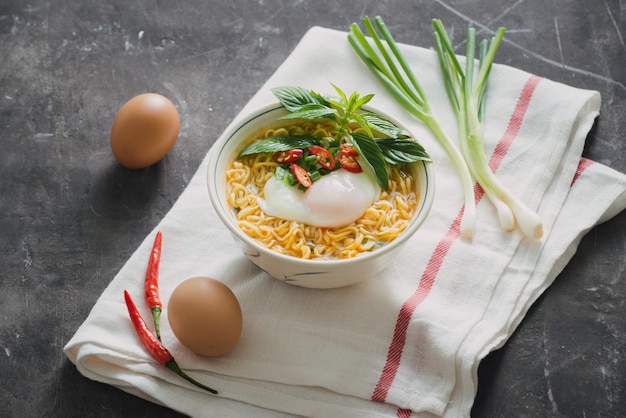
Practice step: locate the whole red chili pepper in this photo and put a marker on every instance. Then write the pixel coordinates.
(156, 349)
(151, 284)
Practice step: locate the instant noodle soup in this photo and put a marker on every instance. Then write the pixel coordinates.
(303, 128)
(381, 223)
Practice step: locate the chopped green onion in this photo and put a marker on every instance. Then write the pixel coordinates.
(315, 175)
(284, 174)
(309, 162)
(280, 172)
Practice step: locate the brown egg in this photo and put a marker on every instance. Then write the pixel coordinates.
(205, 316)
(144, 130)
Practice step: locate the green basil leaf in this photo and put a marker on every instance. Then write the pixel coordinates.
(279, 143)
(383, 126)
(351, 104)
(311, 111)
(402, 151)
(369, 150)
(319, 98)
(363, 101)
(294, 98)
(358, 118)
(340, 92)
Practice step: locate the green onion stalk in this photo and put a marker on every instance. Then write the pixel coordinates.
(467, 97)
(466, 93)
(393, 71)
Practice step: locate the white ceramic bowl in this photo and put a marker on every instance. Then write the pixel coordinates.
(290, 269)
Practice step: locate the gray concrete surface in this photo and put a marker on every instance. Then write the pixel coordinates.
(70, 216)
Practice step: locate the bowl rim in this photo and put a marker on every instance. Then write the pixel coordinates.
(239, 123)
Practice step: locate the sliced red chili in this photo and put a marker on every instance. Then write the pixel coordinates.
(303, 177)
(347, 157)
(289, 156)
(324, 158)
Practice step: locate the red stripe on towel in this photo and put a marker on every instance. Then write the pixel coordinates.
(429, 275)
(406, 311)
(515, 123)
(583, 164)
(403, 413)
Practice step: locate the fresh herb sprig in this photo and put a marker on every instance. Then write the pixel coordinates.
(378, 144)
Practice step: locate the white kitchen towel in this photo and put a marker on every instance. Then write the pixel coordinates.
(407, 342)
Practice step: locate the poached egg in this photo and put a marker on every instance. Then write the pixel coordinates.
(336, 199)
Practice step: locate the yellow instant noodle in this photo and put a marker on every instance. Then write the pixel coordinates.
(380, 224)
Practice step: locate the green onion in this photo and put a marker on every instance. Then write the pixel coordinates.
(280, 172)
(309, 162)
(393, 71)
(315, 175)
(284, 174)
(466, 92)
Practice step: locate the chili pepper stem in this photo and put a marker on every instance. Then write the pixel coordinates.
(173, 366)
(156, 314)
